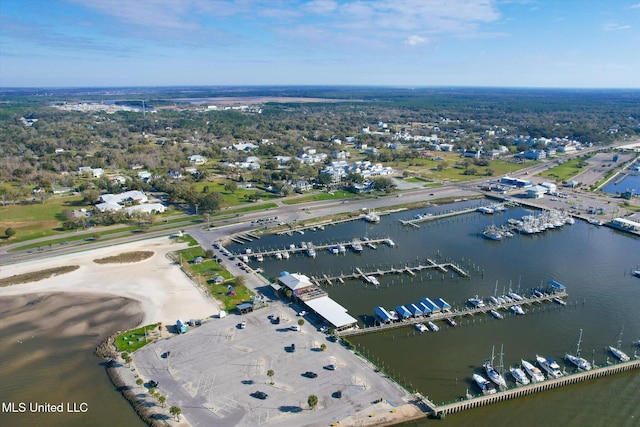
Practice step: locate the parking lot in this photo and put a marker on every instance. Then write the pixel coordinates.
(213, 370)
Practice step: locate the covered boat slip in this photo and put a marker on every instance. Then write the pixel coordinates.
(403, 311)
(443, 304)
(332, 312)
(430, 305)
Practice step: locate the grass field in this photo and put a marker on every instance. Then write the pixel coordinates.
(565, 171)
(36, 220)
(135, 339)
(334, 195)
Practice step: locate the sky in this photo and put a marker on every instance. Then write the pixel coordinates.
(405, 43)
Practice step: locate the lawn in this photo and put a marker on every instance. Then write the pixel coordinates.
(32, 221)
(565, 171)
(333, 195)
(135, 339)
(205, 271)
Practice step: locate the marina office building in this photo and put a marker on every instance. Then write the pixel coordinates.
(317, 300)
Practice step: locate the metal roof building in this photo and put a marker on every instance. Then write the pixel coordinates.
(332, 312)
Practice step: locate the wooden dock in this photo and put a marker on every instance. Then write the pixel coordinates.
(424, 218)
(298, 249)
(467, 311)
(411, 270)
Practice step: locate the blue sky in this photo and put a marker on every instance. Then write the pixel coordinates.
(511, 43)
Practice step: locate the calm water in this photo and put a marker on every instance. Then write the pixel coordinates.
(52, 362)
(593, 262)
(630, 182)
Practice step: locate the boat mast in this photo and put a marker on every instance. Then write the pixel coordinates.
(620, 337)
(501, 367)
(578, 347)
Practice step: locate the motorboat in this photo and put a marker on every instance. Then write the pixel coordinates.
(559, 300)
(497, 314)
(421, 327)
(356, 246)
(517, 309)
(278, 255)
(485, 385)
(535, 373)
(341, 249)
(451, 322)
(550, 366)
(372, 217)
(515, 296)
(494, 300)
(476, 302)
(285, 255)
(433, 326)
(519, 375)
(492, 233)
(576, 360)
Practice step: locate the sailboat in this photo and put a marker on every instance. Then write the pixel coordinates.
(492, 373)
(619, 354)
(577, 360)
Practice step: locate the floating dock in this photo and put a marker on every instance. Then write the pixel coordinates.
(298, 249)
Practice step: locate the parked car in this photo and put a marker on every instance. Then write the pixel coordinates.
(302, 313)
(293, 348)
(153, 384)
(310, 374)
(295, 328)
(330, 367)
(259, 395)
(242, 325)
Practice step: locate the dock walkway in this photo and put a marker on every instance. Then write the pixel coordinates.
(297, 249)
(450, 315)
(449, 408)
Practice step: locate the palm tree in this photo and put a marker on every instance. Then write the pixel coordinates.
(270, 374)
(162, 400)
(323, 346)
(175, 410)
(312, 401)
(301, 322)
(152, 391)
(139, 381)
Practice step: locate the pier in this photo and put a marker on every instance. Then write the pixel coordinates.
(411, 270)
(429, 217)
(441, 411)
(444, 315)
(298, 249)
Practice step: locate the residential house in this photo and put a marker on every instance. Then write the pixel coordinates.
(197, 159)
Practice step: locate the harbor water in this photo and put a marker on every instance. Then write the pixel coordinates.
(629, 182)
(593, 262)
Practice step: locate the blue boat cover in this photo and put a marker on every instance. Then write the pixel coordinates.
(443, 304)
(432, 306)
(414, 309)
(402, 311)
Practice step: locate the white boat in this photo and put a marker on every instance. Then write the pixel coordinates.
(476, 302)
(278, 255)
(519, 375)
(390, 242)
(260, 258)
(341, 249)
(619, 354)
(560, 301)
(550, 366)
(493, 373)
(311, 251)
(497, 314)
(373, 280)
(433, 326)
(356, 246)
(493, 300)
(372, 217)
(245, 258)
(451, 322)
(515, 296)
(535, 373)
(578, 361)
(334, 250)
(484, 384)
(492, 233)
(421, 327)
(517, 309)
(285, 255)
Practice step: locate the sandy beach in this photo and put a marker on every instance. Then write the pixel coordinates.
(164, 292)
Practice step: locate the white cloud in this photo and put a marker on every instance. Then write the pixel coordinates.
(635, 6)
(415, 40)
(615, 27)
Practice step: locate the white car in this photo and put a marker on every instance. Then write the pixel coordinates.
(302, 313)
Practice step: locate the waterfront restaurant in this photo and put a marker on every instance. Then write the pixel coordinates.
(625, 225)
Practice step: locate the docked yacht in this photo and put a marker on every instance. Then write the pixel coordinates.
(341, 249)
(519, 375)
(372, 217)
(485, 385)
(517, 309)
(421, 327)
(619, 354)
(578, 361)
(476, 302)
(515, 296)
(451, 322)
(285, 255)
(433, 326)
(493, 373)
(492, 233)
(559, 300)
(356, 246)
(535, 373)
(550, 366)
(334, 250)
(497, 314)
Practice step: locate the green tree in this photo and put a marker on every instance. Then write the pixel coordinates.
(162, 400)
(312, 401)
(175, 410)
(90, 196)
(270, 374)
(230, 186)
(152, 391)
(9, 232)
(323, 346)
(139, 381)
(301, 322)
